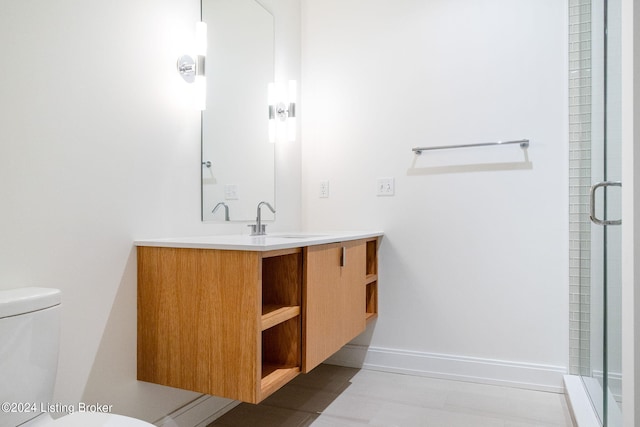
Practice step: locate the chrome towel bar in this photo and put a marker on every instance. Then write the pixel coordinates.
(524, 143)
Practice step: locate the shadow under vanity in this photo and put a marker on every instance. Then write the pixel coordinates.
(240, 316)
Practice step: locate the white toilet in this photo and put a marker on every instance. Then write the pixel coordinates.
(29, 339)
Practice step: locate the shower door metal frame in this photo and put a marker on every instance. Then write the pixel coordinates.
(608, 414)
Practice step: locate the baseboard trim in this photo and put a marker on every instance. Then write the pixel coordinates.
(486, 371)
(200, 412)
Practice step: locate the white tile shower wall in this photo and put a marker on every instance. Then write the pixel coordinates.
(475, 250)
(579, 183)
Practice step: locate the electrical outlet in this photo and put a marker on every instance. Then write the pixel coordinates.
(385, 187)
(231, 192)
(324, 190)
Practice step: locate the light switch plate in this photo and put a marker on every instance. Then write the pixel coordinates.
(323, 191)
(231, 192)
(385, 187)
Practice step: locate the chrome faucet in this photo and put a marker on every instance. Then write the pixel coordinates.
(259, 229)
(226, 210)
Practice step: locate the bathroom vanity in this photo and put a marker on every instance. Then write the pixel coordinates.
(240, 316)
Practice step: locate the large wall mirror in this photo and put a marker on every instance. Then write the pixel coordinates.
(238, 161)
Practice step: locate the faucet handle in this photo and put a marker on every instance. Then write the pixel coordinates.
(255, 231)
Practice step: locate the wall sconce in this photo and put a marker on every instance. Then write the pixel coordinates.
(282, 111)
(191, 68)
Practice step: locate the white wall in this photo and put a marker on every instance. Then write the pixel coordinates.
(474, 259)
(630, 216)
(99, 146)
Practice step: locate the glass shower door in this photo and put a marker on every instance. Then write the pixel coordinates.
(604, 380)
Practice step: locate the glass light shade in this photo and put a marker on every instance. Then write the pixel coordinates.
(271, 102)
(271, 94)
(201, 39)
(200, 93)
(272, 130)
(292, 93)
(291, 129)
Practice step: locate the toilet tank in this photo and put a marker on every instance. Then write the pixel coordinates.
(29, 339)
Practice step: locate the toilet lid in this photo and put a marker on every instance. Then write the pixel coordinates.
(95, 419)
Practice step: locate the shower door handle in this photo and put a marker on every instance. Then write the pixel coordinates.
(592, 200)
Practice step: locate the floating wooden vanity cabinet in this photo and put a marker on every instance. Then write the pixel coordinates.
(219, 322)
(242, 323)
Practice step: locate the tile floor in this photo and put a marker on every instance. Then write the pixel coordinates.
(334, 396)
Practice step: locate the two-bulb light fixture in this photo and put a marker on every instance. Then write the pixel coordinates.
(191, 67)
(282, 111)
(282, 100)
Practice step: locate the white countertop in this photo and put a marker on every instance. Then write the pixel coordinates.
(271, 241)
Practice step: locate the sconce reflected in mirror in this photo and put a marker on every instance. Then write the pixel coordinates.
(191, 68)
(282, 111)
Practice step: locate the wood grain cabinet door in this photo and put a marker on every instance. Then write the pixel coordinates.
(334, 299)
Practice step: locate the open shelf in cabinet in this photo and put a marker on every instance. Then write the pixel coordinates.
(371, 280)
(281, 321)
(371, 308)
(372, 257)
(281, 287)
(281, 355)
